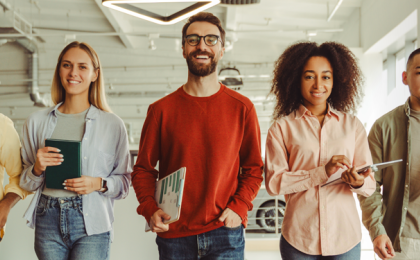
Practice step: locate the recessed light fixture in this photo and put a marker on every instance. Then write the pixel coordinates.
(126, 6)
(311, 33)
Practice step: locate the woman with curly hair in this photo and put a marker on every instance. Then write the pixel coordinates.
(313, 141)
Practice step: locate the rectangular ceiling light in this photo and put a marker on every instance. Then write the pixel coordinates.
(126, 6)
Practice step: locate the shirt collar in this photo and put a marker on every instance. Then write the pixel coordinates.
(407, 107)
(91, 114)
(302, 111)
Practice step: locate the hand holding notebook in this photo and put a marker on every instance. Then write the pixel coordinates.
(70, 168)
(168, 195)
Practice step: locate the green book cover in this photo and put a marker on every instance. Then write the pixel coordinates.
(70, 168)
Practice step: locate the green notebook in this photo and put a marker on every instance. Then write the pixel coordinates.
(70, 168)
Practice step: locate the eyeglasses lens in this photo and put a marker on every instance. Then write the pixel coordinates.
(211, 40)
(193, 40)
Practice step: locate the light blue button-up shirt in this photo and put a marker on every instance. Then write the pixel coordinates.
(105, 154)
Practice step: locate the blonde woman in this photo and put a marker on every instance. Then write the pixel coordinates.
(76, 223)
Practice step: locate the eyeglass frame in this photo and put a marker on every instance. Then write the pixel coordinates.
(204, 38)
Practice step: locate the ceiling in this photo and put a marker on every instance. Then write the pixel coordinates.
(135, 75)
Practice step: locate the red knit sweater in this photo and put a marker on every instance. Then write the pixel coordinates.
(213, 137)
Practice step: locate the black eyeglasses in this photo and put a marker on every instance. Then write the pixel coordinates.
(209, 39)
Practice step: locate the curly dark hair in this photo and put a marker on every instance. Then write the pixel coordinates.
(347, 77)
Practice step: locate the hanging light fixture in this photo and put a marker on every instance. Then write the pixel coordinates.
(126, 6)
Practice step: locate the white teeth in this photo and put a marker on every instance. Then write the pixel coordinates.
(73, 82)
(317, 94)
(202, 57)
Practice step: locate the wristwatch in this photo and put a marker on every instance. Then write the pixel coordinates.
(103, 186)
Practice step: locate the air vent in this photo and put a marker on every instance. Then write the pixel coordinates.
(12, 22)
(239, 2)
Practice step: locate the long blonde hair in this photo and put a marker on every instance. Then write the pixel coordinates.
(96, 90)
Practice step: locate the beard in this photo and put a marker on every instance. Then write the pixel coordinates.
(198, 69)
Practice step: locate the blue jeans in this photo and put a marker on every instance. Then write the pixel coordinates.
(288, 252)
(219, 244)
(60, 232)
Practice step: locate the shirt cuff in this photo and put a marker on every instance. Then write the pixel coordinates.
(319, 175)
(358, 190)
(110, 187)
(239, 207)
(376, 231)
(33, 177)
(16, 191)
(148, 210)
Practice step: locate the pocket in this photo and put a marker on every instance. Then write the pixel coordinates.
(233, 228)
(104, 164)
(40, 210)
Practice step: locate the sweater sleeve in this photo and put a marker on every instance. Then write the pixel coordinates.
(144, 174)
(251, 163)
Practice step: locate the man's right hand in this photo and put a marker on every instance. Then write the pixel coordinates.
(44, 159)
(382, 246)
(156, 221)
(337, 162)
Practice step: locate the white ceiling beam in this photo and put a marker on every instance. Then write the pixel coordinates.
(119, 24)
(230, 18)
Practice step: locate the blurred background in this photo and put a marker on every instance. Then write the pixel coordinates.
(142, 62)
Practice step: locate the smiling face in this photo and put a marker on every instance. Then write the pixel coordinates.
(316, 82)
(77, 72)
(411, 77)
(202, 59)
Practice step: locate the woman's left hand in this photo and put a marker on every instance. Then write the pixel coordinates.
(83, 185)
(356, 180)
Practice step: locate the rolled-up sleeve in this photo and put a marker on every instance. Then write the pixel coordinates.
(10, 158)
(28, 180)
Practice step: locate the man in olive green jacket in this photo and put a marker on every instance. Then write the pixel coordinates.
(393, 217)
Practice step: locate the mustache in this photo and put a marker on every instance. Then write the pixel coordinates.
(199, 52)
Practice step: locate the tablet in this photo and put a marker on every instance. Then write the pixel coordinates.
(374, 167)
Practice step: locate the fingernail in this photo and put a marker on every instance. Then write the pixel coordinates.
(62, 160)
(58, 150)
(65, 188)
(61, 155)
(65, 181)
(59, 163)
(64, 184)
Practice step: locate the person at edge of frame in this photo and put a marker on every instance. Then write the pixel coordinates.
(393, 217)
(213, 131)
(10, 161)
(76, 222)
(313, 140)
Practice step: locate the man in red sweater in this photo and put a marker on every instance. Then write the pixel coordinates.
(213, 132)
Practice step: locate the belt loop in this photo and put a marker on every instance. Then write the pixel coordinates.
(49, 202)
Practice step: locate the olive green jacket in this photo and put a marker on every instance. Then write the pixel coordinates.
(389, 139)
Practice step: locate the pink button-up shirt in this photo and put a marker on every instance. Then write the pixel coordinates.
(318, 220)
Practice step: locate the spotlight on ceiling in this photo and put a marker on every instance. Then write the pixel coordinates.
(311, 33)
(152, 45)
(126, 6)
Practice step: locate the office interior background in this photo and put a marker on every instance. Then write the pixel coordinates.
(142, 62)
